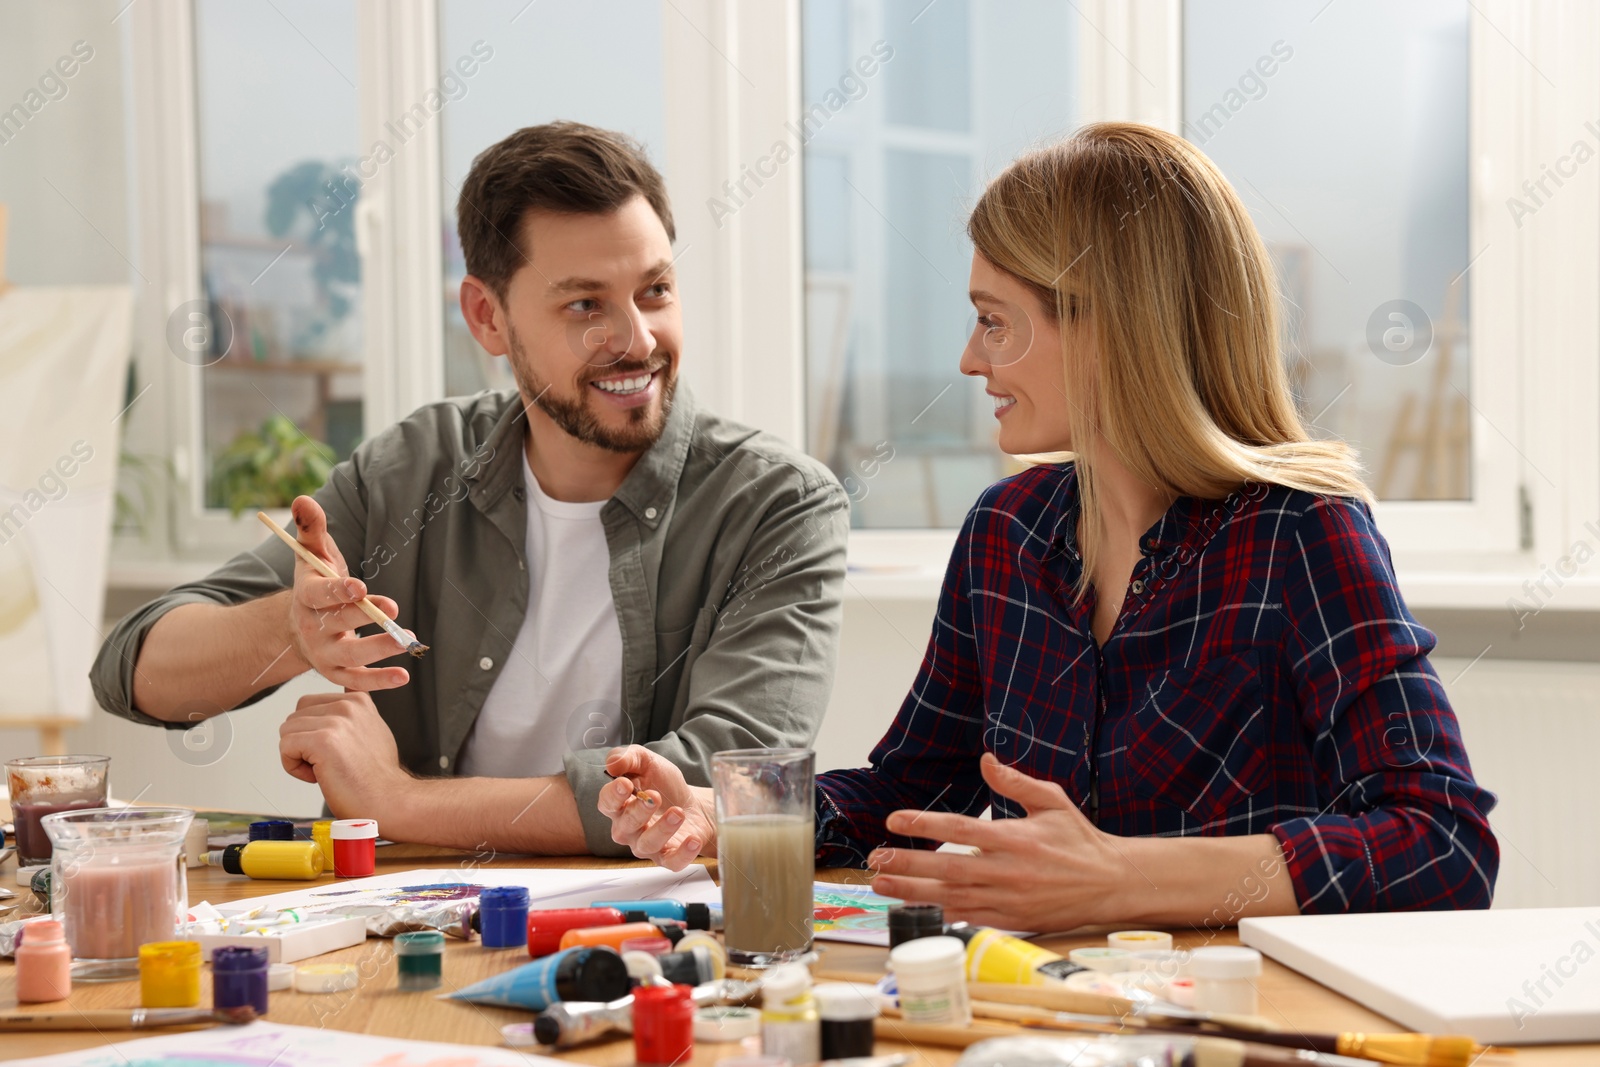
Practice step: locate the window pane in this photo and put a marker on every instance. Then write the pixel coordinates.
(278, 121)
(599, 63)
(1357, 180)
(899, 145)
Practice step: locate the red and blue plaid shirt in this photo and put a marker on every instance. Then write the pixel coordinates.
(1264, 675)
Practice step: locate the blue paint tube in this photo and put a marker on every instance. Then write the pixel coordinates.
(695, 915)
(587, 973)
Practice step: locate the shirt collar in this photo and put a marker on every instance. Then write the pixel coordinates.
(1187, 519)
(648, 489)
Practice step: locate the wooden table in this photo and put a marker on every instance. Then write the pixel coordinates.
(377, 1007)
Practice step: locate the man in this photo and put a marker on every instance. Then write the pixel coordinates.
(591, 558)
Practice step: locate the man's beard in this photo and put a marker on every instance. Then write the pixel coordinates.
(573, 416)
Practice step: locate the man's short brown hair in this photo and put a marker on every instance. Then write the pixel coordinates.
(565, 167)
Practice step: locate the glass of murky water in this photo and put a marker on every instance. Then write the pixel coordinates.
(766, 852)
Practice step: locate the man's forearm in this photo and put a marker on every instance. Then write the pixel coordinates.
(520, 816)
(1204, 881)
(199, 660)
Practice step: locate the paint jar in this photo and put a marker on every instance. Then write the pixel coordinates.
(420, 958)
(117, 882)
(907, 922)
(355, 847)
(44, 963)
(503, 916)
(1140, 940)
(169, 974)
(847, 1014)
(1225, 978)
(766, 852)
(929, 974)
(790, 1027)
(271, 830)
(326, 978)
(239, 978)
(546, 926)
(663, 1024)
(322, 834)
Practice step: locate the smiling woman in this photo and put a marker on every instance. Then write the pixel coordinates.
(1172, 662)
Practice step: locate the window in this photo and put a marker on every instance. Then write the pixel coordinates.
(548, 62)
(908, 108)
(279, 331)
(1359, 187)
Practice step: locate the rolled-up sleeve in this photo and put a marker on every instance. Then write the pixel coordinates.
(266, 569)
(765, 664)
(1403, 824)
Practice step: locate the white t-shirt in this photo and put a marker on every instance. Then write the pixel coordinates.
(560, 687)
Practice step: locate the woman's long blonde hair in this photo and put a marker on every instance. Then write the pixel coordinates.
(1134, 232)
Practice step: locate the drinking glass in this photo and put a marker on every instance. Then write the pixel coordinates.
(44, 785)
(117, 882)
(766, 852)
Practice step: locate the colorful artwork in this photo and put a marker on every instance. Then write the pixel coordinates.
(851, 913)
(263, 1044)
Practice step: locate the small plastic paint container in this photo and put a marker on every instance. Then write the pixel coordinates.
(329, 977)
(663, 1025)
(724, 1026)
(1140, 940)
(322, 834)
(261, 831)
(419, 956)
(546, 926)
(1104, 960)
(355, 847)
(169, 974)
(847, 1014)
(1181, 992)
(1225, 978)
(930, 975)
(503, 916)
(280, 976)
(239, 977)
(907, 922)
(44, 963)
(196, 842)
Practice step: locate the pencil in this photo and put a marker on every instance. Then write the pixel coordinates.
(368, 608)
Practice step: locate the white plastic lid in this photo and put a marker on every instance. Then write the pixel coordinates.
(927, 954)
(785, 984)
(1225, 961)
(843, 1002)
(353, 829)
(719, 1025)
(326, 978)
(280, 976)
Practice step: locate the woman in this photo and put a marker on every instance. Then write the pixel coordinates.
(1182, 656)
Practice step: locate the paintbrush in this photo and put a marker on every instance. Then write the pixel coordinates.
(368, 608)
(123, 1018)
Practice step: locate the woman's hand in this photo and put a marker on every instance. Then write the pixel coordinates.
(1050, 871)
(673, 824)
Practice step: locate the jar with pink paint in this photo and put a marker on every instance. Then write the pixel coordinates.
(117, 882)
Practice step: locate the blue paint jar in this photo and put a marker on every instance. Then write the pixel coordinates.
(503, 916)
(239, 977)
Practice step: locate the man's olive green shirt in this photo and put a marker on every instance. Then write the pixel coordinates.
(727, 564)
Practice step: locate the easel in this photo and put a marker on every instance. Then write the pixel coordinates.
(1440, 446)
(52, 732)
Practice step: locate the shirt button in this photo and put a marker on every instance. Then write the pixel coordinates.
(444, 761)
(1137, 585)
(519, 493)
(486, 663)
(649, 513)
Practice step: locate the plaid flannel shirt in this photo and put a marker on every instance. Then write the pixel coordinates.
(1264, 675)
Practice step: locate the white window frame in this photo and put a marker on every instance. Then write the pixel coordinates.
(1536, 334)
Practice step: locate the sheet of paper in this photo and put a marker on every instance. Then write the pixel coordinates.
(548, 887)
(285, 1046)
(852, 913)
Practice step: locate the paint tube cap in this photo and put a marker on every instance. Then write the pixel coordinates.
(352, 829)
(596, 973)
(325, 977)
(280, 976)
(907, 922)
(726, 1025)
(702, 916)
(687, 968)
(841, 1002)
(672, 931)
(635, 915)
(1224, 961)
(230, 859)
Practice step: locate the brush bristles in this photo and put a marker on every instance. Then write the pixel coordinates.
(238, 1016)
(416, 648)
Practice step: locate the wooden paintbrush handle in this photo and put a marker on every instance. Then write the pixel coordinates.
(321, 566)
(886, 1028)
(102, 1019)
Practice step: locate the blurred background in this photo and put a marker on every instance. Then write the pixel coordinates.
(274, 182)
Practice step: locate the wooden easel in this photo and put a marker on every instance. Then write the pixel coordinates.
(52, 732)
(1441, 442)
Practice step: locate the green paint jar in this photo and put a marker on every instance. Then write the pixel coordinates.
(420, 956)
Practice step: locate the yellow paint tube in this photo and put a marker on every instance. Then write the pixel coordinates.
(998, 957)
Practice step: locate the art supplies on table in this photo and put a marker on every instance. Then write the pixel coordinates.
(1513, 976)
(263, 1042)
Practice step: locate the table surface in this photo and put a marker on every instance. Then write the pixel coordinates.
(377, 1007)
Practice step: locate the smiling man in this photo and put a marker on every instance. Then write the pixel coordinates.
(592, 559)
